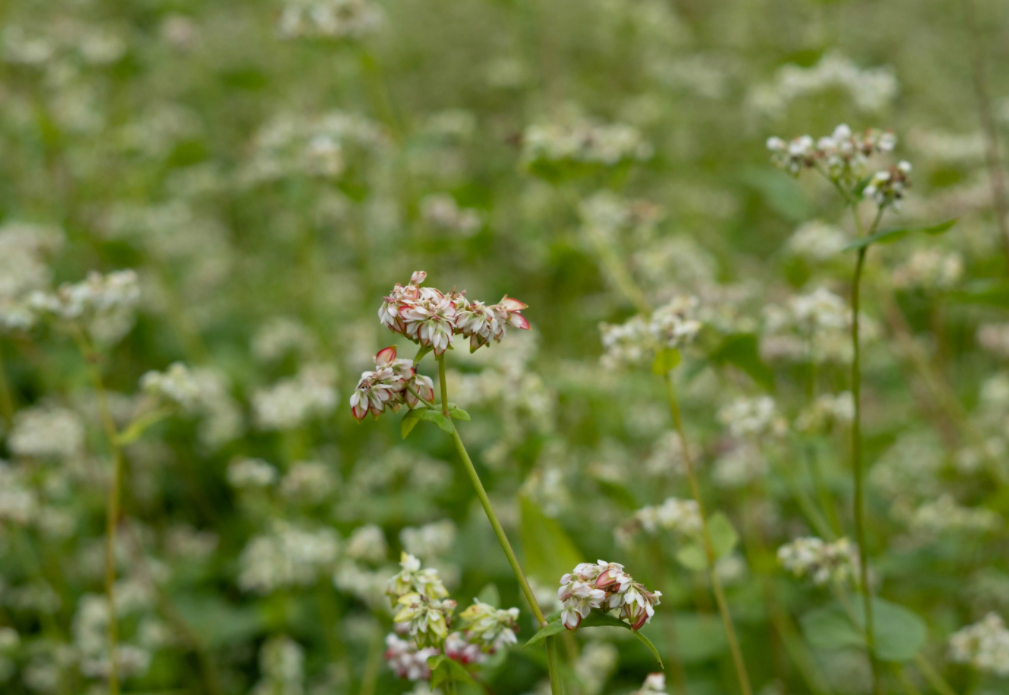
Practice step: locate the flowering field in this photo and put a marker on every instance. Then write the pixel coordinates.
(504, 347)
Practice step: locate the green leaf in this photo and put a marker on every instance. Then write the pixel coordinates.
(444, 669)
(742, 350)
(490, 595)
(899, 633)
(986, 292)
(781, 194)
(723, 534)
(554, 627)
(666, 361)
(888, 236)
(723, 539)
(547, 548)
(692, 556)
(595, 619)
(436, 417)
(408, 422)
(458, 413)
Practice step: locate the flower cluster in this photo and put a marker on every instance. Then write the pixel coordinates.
(406, 660)
(869, 88)
(177, 385)
(323, 146)
(424, 612)
(393, 383)
(605, 586)
(441, 211)
(489, 627)
(292, 402)
(818, 560)
(583, 143)
(887, 187)
(636, 341)
(655, 684)
(984, 645)
(329, 19)
(431, 318)
(756, 417)
(842, 155)
(826, 411)
(929, 269)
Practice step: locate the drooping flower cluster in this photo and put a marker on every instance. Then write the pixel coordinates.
(819, 561)
(424, 612)
(842, 155)
(637, 340)
(330, 19)
(984, 645)
(887, 187)
(431, 318)
(393, 383)
(606, 587)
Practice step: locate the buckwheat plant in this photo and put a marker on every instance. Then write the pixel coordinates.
(433, 320)
(843, 159)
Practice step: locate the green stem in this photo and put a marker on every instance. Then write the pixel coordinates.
(372, 666)
(932, 676)
(481, 493)
(857, 454)
(6, 398)
(709, 551)
(112, 505)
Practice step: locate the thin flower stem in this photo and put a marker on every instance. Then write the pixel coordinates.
(933, 677)
(6, 398)
(112, 505)
(552, 665)
(709, 551)
(856, 451)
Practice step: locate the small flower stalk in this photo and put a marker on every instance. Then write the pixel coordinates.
(606, 587)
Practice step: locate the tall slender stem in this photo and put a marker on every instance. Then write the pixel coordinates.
(996, 174)
(709, 551)
(555, 683)
(6, 399)
(857, 455)
(112, 504)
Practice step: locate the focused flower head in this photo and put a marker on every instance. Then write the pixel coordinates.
(604, 586)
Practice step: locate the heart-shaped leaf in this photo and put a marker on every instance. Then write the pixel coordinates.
(899, 633)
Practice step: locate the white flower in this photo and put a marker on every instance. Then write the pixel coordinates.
(413, 579)
(984, 645)
(406, 660)
(819, 561)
